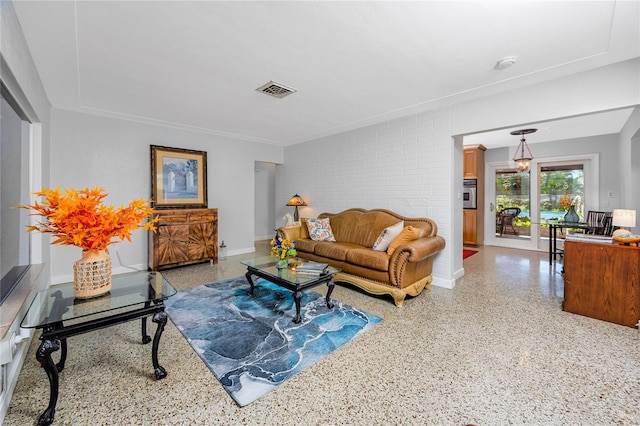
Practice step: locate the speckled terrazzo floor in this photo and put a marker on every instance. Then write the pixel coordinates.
(496, 350)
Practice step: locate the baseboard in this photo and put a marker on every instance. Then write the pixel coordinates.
(441, 282)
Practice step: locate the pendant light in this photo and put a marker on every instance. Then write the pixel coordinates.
(523, 154)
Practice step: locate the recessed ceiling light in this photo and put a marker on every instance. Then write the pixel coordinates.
(506, 62)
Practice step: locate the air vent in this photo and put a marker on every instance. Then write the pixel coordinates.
(276, 90)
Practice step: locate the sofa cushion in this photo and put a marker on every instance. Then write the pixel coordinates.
(387, 236)
(408, 234)
(368, 258)
(336, 251)
(304, 230)
(320, 229)
(305, 245)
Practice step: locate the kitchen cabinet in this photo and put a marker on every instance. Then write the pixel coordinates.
(183, 237)
(469, 227)
(473, 219)
(474, 161)
(602, 281)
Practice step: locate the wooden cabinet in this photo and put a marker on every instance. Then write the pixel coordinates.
(473, 219)
(602, 281)
(473, 167)
(469, 227)
(183, 237)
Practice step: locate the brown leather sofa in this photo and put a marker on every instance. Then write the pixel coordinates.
(407, 271)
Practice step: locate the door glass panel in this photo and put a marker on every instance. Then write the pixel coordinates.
(512, 212)
(560, 188)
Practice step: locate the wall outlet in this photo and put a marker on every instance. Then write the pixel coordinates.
(610, 193)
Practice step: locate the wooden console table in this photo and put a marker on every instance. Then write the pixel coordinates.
(602, 281)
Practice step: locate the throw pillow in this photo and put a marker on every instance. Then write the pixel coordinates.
(320, 230)
(387, 235)
(409, 233)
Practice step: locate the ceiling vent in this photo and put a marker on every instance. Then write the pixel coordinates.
(276, 90)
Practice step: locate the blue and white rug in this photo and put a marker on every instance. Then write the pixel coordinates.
(250, 343)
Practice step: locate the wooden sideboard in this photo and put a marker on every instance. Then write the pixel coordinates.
(183, 237)
(602, 281)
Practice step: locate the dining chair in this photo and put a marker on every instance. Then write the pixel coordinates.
(597, 221)
(505, 218)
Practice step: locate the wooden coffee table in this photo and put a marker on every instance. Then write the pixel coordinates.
(265, 267)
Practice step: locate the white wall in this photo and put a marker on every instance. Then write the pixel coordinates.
(629, 165)
(404, 165)
(89, 150)
(264, 221)
(411, 165)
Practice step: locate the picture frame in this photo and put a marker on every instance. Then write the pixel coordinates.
(178, 178)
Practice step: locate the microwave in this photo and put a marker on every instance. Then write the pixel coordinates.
(469, 194)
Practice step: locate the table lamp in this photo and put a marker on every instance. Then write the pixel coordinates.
(623, 218)
(296, 201)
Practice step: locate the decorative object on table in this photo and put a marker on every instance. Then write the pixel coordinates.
(288, 220)
(282, 249)
(523, 153)
(178, 178)
(296, 201)
(312, 268)
(222, 253)
(250, 343)
(571, 216)
(79, 218)
(627, 240)
(624, 219)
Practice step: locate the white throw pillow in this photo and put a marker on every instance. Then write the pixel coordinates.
(387, 235)
(320, 230)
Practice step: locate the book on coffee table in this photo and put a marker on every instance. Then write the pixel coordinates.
(312, 268)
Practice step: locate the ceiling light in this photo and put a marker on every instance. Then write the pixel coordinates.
(523, 153)
(506, 62)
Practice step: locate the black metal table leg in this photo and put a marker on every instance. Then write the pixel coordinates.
(330, 286)
(43, 355)
(297, 296)
(248, 276)
(145, 337)
(161, 319)
(63, 355)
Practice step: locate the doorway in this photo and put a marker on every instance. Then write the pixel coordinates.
(521, 205)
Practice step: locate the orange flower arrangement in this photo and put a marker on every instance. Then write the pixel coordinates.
(79, 218)
(565, 201)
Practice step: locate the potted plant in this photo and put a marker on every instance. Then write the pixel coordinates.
(80, 218)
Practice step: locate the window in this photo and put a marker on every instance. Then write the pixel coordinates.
(14, 190)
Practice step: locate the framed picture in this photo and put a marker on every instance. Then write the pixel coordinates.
(178, 178)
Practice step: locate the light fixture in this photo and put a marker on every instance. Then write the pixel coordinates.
(296, 201)
(523, 154)
(623, 218)
(506, 62)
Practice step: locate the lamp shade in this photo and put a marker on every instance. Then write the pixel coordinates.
(624, 218)
(296, 200)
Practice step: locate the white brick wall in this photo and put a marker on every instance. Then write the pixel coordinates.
(404, 165)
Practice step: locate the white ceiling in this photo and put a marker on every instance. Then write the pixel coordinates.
(197, 64)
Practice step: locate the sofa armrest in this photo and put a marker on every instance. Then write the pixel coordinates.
(420, 249)
(290, 232)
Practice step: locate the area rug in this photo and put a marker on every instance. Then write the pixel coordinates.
(466, 253)
(250, 342)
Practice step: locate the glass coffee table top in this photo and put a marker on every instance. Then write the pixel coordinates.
(57, 303)
(267, 265)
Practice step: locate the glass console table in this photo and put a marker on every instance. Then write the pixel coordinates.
(60, 315)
